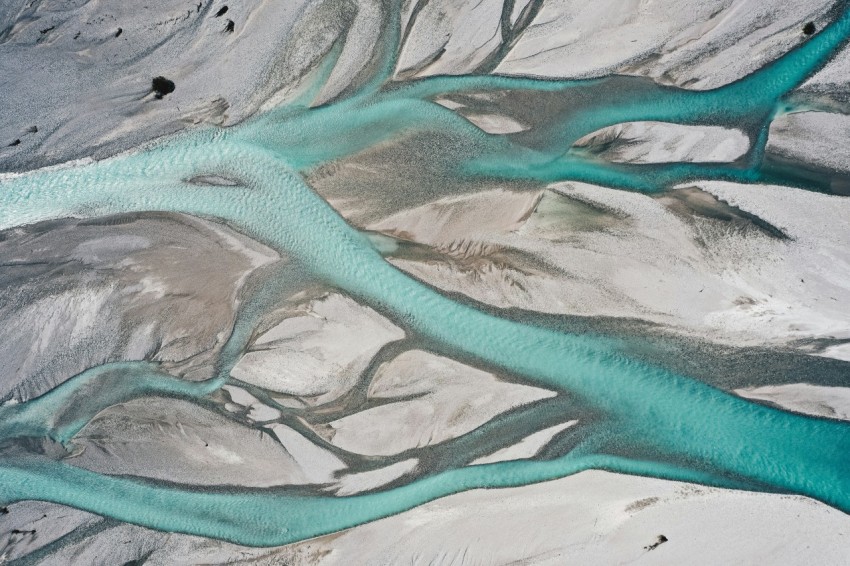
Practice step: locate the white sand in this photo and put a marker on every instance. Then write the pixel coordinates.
(318, 350)
(605, 252)
(661, 142)
(432, 399)
(132, 294)
(598, 518)
(176, 441)
(352, 484)
(526, 448)
(697, 45)
(832, 402)
(812, 138)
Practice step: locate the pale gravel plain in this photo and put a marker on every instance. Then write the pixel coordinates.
(697, 45)
(703, 261)
(318, 350)
(629, 255)
(526, 448)
(426, 399)
(660, 142)
(120, 289)
(830, 402)
(813, 140)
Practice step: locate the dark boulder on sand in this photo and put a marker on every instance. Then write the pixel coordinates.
(162, 86)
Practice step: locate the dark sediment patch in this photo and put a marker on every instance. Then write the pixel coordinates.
(399, 175)
(692, 201)
(602, 142)
(658, 542)
(213, 180)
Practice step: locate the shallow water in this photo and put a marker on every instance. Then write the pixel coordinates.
(652, 421)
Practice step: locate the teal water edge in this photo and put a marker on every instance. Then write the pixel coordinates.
(653, 422)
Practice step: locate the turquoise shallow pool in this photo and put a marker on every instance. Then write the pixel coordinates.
(653, 422)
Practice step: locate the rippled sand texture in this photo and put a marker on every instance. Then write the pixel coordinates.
(368, 261)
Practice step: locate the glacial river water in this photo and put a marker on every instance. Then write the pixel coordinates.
(652, 422)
